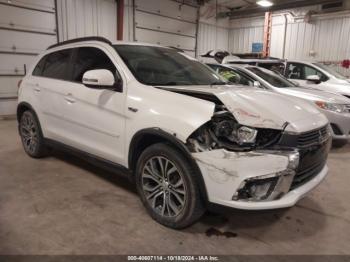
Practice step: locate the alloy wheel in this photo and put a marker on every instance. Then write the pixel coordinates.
(164, 187)
(29, 133)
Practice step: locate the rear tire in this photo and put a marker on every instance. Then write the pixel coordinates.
(31, 135)
(168, 187)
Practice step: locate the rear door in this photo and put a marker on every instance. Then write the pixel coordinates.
(94, 117)
(49, 82)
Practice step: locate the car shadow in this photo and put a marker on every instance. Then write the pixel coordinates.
(233, 221)
(117, 177)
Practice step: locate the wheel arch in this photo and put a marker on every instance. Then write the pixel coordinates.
(147, 137)
(22, 107)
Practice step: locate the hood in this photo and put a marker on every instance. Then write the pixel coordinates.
(315, 95)
(262, 109)
(343, 89)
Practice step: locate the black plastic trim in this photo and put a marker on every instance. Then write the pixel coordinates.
(93, 159)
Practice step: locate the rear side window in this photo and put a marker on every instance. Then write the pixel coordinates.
(90, 58)
(54, 65)
(39, 67)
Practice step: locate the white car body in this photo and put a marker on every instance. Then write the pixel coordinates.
(105, 123)
(339, 121)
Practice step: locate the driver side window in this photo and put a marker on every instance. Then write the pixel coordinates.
(90, 58)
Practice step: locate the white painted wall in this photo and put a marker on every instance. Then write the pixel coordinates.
(80, 18)
(244, 32)
(325, 37)
(26, 29)
(213, 34)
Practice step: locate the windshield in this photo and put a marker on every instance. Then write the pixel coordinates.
(272, 78)
(152, 65)
(331, 71)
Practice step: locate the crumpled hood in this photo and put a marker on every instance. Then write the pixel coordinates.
(315, 95)
(263, 109)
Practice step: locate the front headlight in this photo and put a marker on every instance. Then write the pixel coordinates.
(331, 107)
(245, 135)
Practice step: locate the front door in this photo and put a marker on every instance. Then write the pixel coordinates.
(95, 117)
(299, 72)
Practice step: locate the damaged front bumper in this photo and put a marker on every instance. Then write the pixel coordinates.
(254, 180)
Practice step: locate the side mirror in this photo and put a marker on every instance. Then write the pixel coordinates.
(257, 84)
(314, 78)
(98, 78)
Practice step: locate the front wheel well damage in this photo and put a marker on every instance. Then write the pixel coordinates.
(145, 138)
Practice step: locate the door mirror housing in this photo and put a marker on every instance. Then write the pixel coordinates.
(314, 78)
(99, 78)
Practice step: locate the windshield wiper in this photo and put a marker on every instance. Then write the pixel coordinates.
(163, 84)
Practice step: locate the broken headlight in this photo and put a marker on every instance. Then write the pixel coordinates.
(245, 135)
(226, 128)
(233, 132)
(223, 131)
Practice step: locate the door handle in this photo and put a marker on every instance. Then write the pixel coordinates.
(37, 88)
(69, 98)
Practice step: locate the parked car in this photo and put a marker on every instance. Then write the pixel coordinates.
(311, 74)
(317, 75)
(186, 138)
(335, 107)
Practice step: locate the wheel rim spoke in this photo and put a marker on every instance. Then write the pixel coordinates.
(173, 206)
(149, 188)
(163, 186)
(154, 199)
(177, 196)
(171, 171)
(161, 165)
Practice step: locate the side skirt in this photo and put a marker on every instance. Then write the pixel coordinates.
(92, 159)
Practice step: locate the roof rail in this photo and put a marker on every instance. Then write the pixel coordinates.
(177, 49)
(80, 39)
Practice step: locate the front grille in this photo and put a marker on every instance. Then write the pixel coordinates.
(307, 174)
(312, 161)
(313, 137)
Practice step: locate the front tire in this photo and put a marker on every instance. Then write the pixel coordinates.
(31, 135)
(167, 187)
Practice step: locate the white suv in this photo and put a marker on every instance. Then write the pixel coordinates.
(188, 138)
